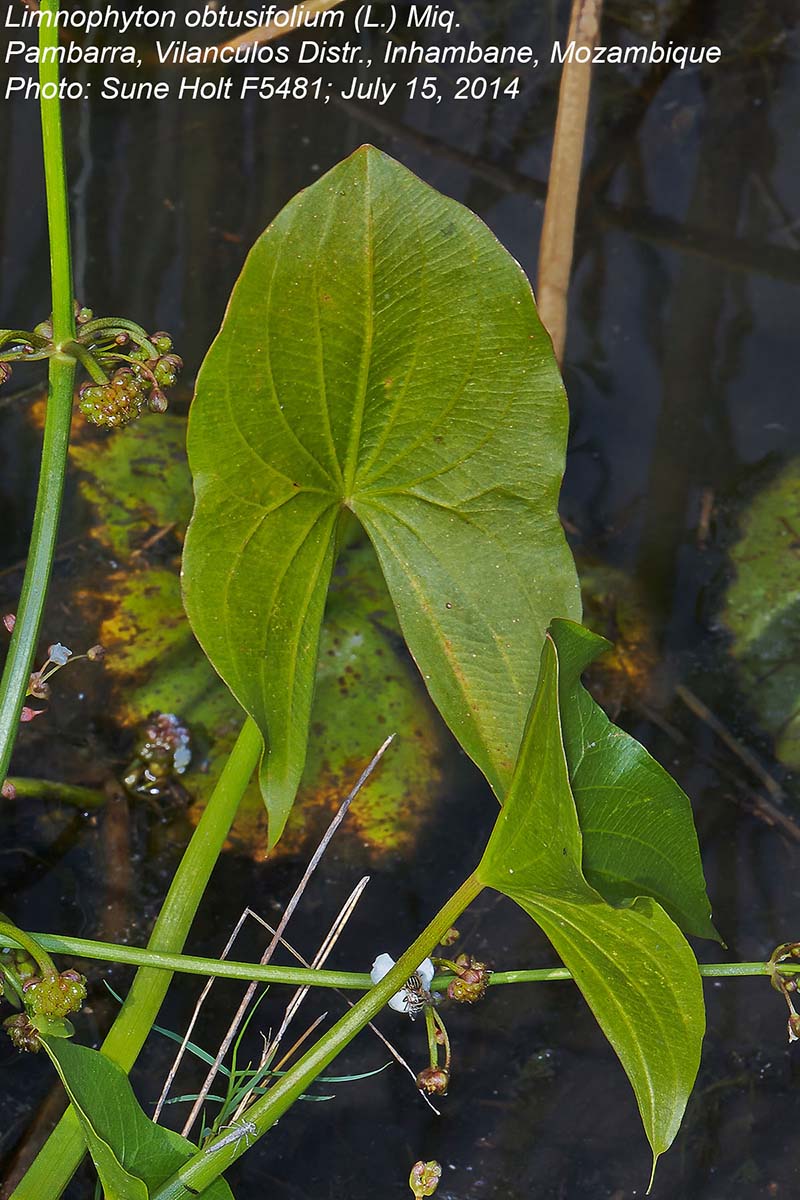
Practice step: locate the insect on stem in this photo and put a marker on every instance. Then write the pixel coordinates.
(246, 1130)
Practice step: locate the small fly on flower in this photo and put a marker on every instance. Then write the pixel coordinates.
(416, 995)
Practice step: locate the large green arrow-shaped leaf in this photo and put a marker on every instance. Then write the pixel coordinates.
(638, 832)
(381, 353)
(632, 964)
(132, 1155)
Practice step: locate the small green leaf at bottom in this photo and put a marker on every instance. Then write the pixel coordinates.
(131, 1154)
(632, 964)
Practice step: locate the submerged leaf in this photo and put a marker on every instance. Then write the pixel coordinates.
(616, 607)
(762, 610)
(632, 964)
(367, 685)
(132, 1155)
(381, 353)
(638, 832)
(138, 484)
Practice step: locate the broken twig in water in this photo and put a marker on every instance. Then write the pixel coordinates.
(696, 705)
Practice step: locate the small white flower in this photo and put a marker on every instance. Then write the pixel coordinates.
(402, 1001)
(181, 759)
(58, 654)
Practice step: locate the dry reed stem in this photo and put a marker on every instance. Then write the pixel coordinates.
(268, 33)
(173, 1071)
(558, 231)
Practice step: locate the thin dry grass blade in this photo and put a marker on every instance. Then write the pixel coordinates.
(173, 1071)
(297, 999)
(239, 1016)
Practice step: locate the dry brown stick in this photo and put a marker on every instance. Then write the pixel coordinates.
(279, 1066)
(285, 918)
(747, 797)
(561, 206)
(696, 705)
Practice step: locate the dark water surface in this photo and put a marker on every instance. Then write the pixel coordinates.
(681, 369)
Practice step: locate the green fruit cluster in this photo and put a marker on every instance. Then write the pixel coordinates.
(55, 995)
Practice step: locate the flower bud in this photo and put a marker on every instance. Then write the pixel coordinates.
(157, 402)
(22, 1033)
(471, 982)
(96, 653)
(433, 1081)
(8, 791)
(24, 965)
(450, 938)
(9, 621)
(162, 341)
(44, 330)
(794, 1027)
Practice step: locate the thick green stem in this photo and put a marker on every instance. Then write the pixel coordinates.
(53, 1168)
(14, 682)
(206, 1166)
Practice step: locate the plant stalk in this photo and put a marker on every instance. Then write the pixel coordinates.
(55, 1164)
(16, 674)
(64, 793)
(226, 968)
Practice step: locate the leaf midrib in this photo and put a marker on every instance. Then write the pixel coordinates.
(354, 444)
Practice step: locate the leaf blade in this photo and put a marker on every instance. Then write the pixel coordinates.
(638, 831)
(132, 1155)
(649, 979)
(382, 352)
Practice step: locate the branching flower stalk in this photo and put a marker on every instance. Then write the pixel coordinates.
(61, 382)
(188, 964)
(141, 366)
